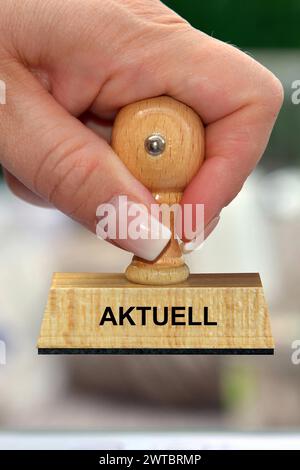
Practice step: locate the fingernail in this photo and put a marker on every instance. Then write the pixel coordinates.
(192, 245)
(136, 230)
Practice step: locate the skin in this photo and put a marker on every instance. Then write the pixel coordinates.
(70, 65)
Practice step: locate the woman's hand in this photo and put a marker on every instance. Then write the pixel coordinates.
(69, 66)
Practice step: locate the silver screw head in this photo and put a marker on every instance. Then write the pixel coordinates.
(155, 144)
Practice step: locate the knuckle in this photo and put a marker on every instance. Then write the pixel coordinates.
(276, 90)
(64, 174)
(69, 189)
(264, 88)
(272, 92)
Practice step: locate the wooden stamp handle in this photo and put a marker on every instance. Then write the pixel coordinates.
(161, 141)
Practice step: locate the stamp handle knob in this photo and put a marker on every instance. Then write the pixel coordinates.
(161, 141)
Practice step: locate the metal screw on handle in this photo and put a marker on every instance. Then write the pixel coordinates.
(155, 144)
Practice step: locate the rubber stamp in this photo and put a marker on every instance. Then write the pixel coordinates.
(157, 307)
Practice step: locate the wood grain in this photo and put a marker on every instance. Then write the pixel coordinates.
(76, 302)
(166, 176)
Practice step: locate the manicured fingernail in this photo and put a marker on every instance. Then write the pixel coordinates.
(131, 226)
(192, 245)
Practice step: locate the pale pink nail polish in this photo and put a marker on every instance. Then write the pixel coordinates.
(192, 245)
(132, 227)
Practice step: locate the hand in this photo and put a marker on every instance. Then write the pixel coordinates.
(69, 66)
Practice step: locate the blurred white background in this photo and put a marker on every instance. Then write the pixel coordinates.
(126, 391)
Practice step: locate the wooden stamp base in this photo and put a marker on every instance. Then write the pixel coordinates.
(106, 314)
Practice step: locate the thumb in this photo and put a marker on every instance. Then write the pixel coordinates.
(54, 155)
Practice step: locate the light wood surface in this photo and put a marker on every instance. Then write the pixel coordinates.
(90, 280)
(77, 301)
(166, 175)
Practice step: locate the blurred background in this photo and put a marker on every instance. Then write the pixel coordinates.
(260, 231)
